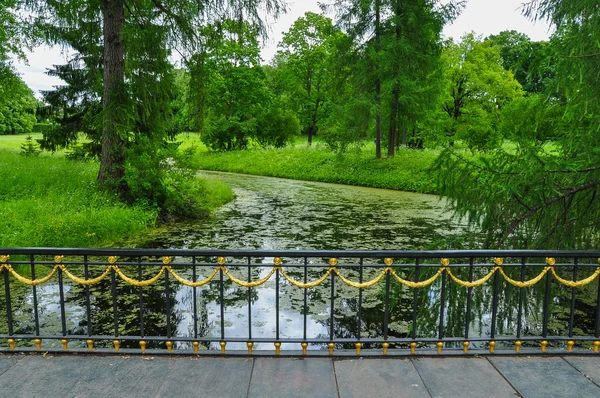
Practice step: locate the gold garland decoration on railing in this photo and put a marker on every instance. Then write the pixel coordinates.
(166, 267)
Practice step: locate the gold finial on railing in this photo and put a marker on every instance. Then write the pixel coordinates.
(223, 344)
(169, 345)
(58, 259)
(385, 346)
(413, 348)
(518, 345)
(466, 345)
(544, 345)
(250, 345)
(117, 344)
(112, 259)
(38, 344)
(277, 261)
(358, 346)
(90, 344)
(11, 344)
(304, 347)
(277, 348)
(550, 261)
(596, 346)
(333, 261)
(331, 346)
(388, 261)
(570, 345)
(5, 258)
(440, 346)
(166, 260)
(196, 345)
(498, 261)
(221, 260)
(445, 262)
(142, 346)
(65, 344)
(492, 347)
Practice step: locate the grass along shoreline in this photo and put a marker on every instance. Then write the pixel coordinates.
(409, 170)
(50, 201)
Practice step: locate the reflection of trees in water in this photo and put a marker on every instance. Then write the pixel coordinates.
(145, 316)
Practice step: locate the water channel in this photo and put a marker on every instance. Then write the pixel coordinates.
(280, 214)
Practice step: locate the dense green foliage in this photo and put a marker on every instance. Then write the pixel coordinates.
(542, 192)
(17, 105)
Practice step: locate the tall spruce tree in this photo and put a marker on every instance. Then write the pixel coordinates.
(402, 41)
(172, 23)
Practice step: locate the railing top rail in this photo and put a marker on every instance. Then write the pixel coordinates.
(302, 253)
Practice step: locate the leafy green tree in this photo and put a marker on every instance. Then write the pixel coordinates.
(307, 56)
(478, 87)
(17, 105)
(529, 61)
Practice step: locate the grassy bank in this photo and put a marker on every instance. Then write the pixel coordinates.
(49, 201)
(407, 171)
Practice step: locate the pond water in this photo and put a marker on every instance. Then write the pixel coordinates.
(280, 214)
(274, 214)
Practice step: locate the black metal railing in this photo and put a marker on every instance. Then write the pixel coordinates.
(302, 302)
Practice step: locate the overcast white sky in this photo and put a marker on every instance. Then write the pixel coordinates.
(485, 17)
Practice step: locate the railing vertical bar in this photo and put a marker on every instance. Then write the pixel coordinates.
(221, 298)
(305, 311)
(521, 298)
(332, 309)
(546, 305)
(168, 303)
(61, 295)
(495, 305)
(469, 300)
(360, 299)
(386, 312)
(277, 304)
(141, 294)
(113, 280)
(442, 307)
(415, 300)
(9, 318)
(249, 301)
(573, 294)
(36, 316)
(195, 297)
(88, 301)
(597, 332)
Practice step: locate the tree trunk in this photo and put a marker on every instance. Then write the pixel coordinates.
(393, 121)
(377, 81)
(404, 135)
(112, 162)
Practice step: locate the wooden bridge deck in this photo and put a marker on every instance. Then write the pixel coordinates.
(135, 376)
